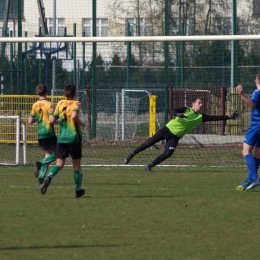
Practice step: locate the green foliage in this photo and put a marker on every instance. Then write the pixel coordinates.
(116, 61)
(206, 64)
(215, 53)
(99, 60)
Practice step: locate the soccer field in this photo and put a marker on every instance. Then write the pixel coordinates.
(127, 213)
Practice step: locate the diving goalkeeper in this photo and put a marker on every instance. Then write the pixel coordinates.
(186, 119)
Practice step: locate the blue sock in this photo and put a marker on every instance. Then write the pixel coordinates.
(257, 160)
(251, 165)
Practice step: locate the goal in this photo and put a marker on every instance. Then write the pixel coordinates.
(115, 95)
(10, 140)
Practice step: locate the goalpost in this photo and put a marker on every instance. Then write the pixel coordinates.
(129, 106)
(105, 107)
(10, 140)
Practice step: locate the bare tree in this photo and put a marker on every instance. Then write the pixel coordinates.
(145, 18)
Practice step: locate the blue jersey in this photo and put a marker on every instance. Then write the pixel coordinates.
(255, 113)
(252, 136)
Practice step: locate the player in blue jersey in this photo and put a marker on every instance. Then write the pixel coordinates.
(186, 119)
(252, 138)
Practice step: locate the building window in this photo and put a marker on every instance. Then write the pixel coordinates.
(1, 32)
(101, 27)
(13, 10)
(60, 26)
(256, 8)
(140, 27)
(223, 25)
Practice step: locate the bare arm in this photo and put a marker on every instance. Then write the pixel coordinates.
(249, 102)
(75, 117)
(31, 120)
(53, 119)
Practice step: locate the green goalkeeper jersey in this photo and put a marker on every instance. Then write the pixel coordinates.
(40, 111)
(69, 129)
(181, 126)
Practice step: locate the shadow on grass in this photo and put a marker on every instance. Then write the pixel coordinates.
(58, 247)
(137, 197)
(107, 183)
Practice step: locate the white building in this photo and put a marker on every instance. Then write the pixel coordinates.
(145, 18)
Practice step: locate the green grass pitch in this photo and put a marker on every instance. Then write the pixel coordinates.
(127, 213)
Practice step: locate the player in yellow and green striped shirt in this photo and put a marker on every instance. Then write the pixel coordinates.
(47, 139)
(67, 112)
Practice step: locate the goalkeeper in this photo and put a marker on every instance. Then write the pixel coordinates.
(47, 139)
(186, 119)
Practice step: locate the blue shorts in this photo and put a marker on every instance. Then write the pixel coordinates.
(253, 135)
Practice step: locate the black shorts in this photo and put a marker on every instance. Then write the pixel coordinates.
(48, 144)
(64, 150)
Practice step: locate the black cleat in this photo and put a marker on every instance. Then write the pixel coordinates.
(79, 193)
(45, 185)
(148, 168)
(40, 181)
(128, 158)
(37, 167)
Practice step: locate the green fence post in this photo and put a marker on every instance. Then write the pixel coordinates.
(128, 64)
(166, 61)
(74, 56)
(19, 54)
(94, 59)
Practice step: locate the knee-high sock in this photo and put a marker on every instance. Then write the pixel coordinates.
(251, 165)
(53, 171)
(49, 159)
(78, 179)
(257, 160)
(43, 171)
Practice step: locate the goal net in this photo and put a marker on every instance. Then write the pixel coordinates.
(118, 114)
(175, 68)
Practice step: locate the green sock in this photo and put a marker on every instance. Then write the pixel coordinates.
(53, 171)
(78, 179)
(43, 171)
(49, 159)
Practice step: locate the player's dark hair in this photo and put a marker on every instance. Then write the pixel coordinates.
(41, 89)
(69, 91)
(194, 99)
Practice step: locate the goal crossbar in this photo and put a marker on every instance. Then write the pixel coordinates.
(132, 39)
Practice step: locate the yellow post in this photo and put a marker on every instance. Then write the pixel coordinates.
(152, 115)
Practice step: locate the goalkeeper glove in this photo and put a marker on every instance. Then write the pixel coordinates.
(235, 115)
(182, 115)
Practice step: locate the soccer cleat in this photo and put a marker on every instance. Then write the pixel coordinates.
(128, 158)
(45, 185)
(40, 181)
(79, 193)
(253, 185)
(243, 186)
(37, 167)
(148, 168)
